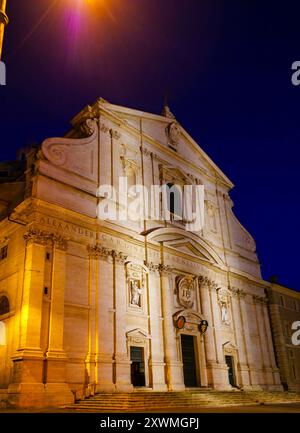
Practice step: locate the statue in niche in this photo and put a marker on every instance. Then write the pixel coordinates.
(224, 313)
(135, 292)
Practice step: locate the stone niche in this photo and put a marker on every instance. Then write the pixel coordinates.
(136, 286)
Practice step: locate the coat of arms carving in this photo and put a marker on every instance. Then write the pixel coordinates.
(173, 133)
(185, 288)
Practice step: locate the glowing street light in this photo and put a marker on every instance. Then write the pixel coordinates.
(3, 23)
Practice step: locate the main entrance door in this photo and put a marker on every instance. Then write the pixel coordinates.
(189, 361)
(229, 362)
(137, 366)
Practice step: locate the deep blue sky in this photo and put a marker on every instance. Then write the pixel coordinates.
(226, 65)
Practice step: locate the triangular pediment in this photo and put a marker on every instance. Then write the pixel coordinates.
(137, 333)
(154, 127)
(189, 247)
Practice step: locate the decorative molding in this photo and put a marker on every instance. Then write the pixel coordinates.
(207, 283)
(104, 128)
(97, 250)
(114, 134)
(238, 293)
(60, 242)
(41, 237)
(145, 151)
(119, 257)
(260, 299)
(152, 267)
(3, 241)
(164, 269)
(56, 149)
(137, 336)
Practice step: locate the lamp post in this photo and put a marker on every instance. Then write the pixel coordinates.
(3, 23)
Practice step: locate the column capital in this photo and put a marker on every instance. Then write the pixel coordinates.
(114, 134)
(37, 236)
(164, 270)
(259, 299)
(96, 251)
(119, 257)
(153, 267)
(41, 237)
(207, 283)
(238, 293)
(59, 242)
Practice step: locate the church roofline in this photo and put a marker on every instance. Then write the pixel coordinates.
(102, 104)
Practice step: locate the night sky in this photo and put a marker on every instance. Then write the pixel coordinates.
(226, 66)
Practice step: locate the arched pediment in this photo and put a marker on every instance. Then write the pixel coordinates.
(184, 241)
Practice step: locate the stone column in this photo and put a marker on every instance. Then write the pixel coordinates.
(90, 360)
(270, 348)
(104, 321)
(217, 370)
(27, 374)
(156, 362)
(56, 356)
(122, 372)
(220, 369)
(243, 366)
(174, 368)
(209, 336)
(254, 378)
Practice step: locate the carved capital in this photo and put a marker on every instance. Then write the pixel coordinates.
(238, 293)
(41, 237)
(119, 257)
(37, 236)
(145, 151)
(96, 251)
(3, 241)
(259, 299)
(164, 270)
(153, 267)
(59, 242)
(207, 283)
(114, 134)
(104, 128)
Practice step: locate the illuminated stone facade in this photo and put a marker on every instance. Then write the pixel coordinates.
(91, 300)
(284, 308)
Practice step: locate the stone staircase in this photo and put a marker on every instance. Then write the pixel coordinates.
(153, 401)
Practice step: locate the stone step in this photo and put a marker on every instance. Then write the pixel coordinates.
(189, 399)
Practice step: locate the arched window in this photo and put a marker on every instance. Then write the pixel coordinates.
(4, 305)
(174, 200)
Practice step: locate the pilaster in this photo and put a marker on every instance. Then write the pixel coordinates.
(174, 371)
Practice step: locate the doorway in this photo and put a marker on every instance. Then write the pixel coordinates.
(137, 366)
(230, 364)
(189, 361)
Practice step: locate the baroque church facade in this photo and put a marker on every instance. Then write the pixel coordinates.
(92, 305)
